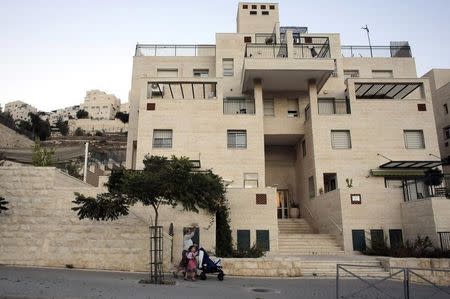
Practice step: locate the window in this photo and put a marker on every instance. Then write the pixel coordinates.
(341, 139)
(292, 105)
(329, 182)
(253, 12)
(304, 147)
(447, 132)
(311, 187)
(162, 138)
(254, 7)
(359, 241)
(271, 6)
(393, 183)
(396, 238)
(333, 106)
(201, 73)
(377, 238)
(228, 66)
(263, 7)
(243, 239)
(245, 6)
(238, 106)
(445, 109)
(414, 139)
(268, 107)
(351, 74)
(237, 138)
(247, 39)
(250, 180)
(382, 74)
(167, 73)
(265, 13)
(262, 240)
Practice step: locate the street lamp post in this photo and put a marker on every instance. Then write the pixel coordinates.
(368, 37)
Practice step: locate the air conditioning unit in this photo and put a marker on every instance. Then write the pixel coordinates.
(157, 90)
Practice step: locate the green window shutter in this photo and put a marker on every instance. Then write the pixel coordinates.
(359, 241)
(377, 237)
(262, 240)
(243, 239)
(396, 238)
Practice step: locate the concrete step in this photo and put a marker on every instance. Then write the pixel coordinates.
(306, 236)
(290, 253)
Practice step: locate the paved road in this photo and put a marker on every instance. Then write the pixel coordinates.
(27, 283)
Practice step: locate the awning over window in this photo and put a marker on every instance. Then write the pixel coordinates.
(385, 90)
(398, 172)
(411, 164)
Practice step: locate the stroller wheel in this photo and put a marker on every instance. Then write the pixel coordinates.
(203, 276)
(220, 276)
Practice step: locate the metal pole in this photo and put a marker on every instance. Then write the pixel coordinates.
(86, 152)
(368, 37)
(337, 281)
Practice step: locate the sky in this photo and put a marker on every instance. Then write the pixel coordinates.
(52, 52)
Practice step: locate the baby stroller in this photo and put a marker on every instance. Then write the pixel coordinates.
(206, 265)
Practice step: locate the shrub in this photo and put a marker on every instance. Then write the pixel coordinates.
(82, 114)
(252, 252)
(98, 133)
(79, 132)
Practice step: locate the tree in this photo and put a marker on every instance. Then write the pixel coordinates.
(79, 132)
(3, 204)
(162, 182)
(62, 126)
(124, 117)
(82, 114)
(433, 177)
(41, 155)
(39, 127)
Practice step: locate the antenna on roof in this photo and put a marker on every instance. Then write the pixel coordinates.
(368, 37)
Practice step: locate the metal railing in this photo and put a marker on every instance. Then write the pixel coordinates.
(175, 50)
(414, 283)
(376, 51)
(266, 51)
(444, 238)
(333, 106)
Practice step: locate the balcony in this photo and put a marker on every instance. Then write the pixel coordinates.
(395, 50)
(182, 89)
(386, 89)
(175, 50)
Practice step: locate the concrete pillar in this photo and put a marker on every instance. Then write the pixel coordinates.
(258, 135)
(290, 43)
(312, 92)
(258, 95)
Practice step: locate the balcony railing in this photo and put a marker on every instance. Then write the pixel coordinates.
(175, 50)
(376, 51)
(266, 51)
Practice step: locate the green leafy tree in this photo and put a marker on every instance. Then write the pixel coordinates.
(63, 126)
(40, 128)
(163, 181)
(41, 155)
(82, 114)
(79, 132)
(3, 204)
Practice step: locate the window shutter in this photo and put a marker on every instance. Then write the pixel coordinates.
(162, 138)
(243, 239)
(269, 107)
(340, 140)
(326, 106)
(262, 240)
(167, 73)
(228, 67)
(414, 139)
(359, 241)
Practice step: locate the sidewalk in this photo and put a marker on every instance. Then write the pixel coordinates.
(37, 283)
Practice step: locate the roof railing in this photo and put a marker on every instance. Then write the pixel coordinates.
(175, 50)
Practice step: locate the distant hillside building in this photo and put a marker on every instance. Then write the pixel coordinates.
(19, 110)
(101, 105)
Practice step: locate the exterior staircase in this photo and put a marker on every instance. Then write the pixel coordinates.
(296, 237)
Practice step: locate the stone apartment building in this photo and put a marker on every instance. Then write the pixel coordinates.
(19, 110)
(100, 105)
(287, 116)
(440, 92)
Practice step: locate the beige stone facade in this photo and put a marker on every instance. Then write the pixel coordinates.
(94, 125)
(40, 229)
(19, 110)
(100, 105)
(297, 117)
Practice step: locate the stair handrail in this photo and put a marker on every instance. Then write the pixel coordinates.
(335, 224)
(308, 210)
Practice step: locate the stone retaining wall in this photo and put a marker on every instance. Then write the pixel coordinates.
(438, 277)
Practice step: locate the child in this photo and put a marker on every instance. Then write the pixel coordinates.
(191, 268)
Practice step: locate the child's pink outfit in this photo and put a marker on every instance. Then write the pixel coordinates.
(192, 262)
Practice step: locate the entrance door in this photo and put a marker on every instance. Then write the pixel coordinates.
(282, 204)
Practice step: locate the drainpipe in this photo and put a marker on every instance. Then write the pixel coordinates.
(86, 152)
